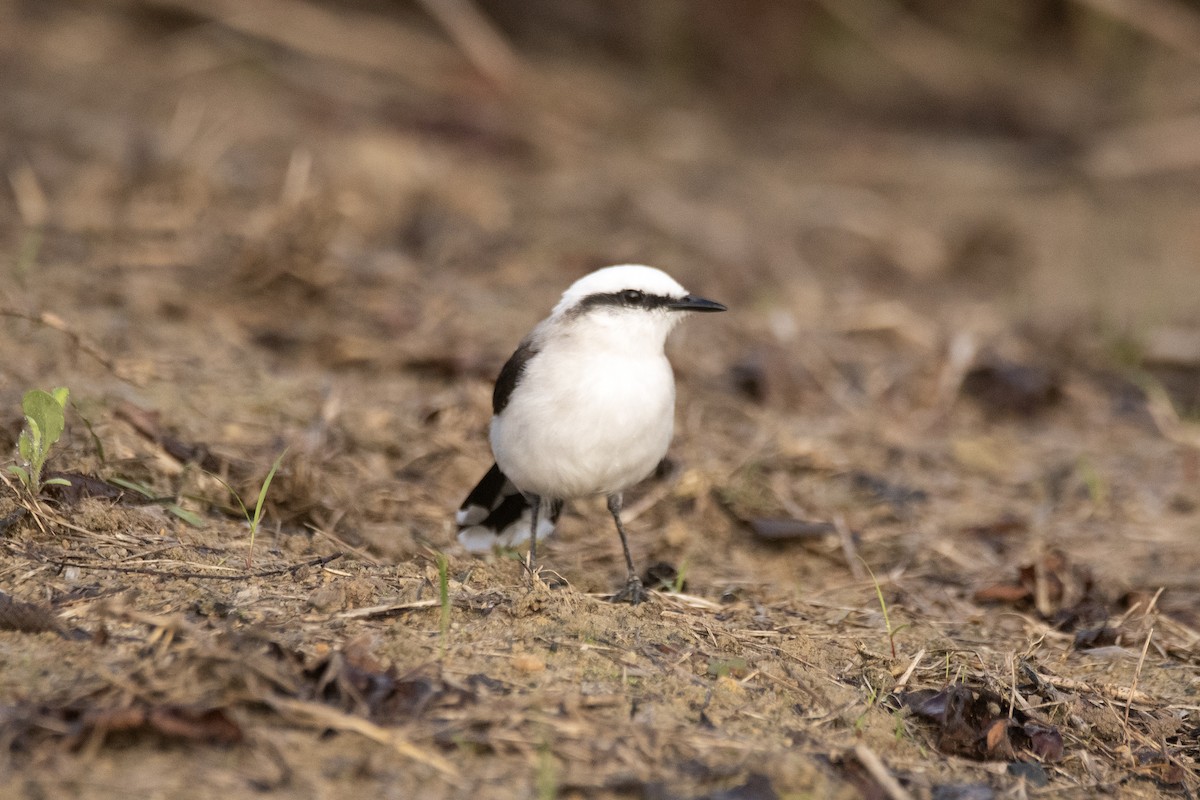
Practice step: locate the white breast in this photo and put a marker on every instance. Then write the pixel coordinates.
(586, 420)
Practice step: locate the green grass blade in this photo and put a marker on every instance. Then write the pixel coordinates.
(887, 622)
(191, 518)
(262, 492)
(258, 507)
(232, 491)
(133, 487)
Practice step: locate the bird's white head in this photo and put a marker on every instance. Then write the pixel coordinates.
(624, 294)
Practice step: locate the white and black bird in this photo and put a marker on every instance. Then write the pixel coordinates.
(585, 406)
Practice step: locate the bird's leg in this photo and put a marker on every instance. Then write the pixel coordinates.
(535, 505)
(633, 593)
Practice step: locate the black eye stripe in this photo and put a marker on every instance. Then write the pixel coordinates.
(627, 298)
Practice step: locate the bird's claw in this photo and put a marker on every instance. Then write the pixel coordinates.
(633, 593)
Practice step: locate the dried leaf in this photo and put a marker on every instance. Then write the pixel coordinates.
(774, 530)
(1158, 766)
(1011, 593)
(1046, 741)
(997, 738)
(1090, 638)
(1005, 525)
(354, 680)
(969, 791)
(1003, 387)
(897, 495)
(212, 726)
(17, 615)
(973, 722)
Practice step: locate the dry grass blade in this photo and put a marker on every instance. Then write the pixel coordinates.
(1173, 24)
(479, 39)
(361, 39)
(192, 574)
(853, 560)
(687, 600)
(1137, 674)
(387, 609)
(322, 716)
(874, 765)
(1166, 417)
(30, 197)
(900, 684)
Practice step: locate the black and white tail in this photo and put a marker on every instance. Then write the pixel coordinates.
(495, 514)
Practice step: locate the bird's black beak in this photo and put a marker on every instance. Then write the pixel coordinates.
(692, 303)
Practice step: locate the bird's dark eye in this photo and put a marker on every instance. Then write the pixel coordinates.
(632, 296)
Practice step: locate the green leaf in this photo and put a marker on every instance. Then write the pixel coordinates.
(56, 482)
(195, 520)
(25, 446)
(35, 437)
(42, 408)
(20, 472)
(133, 487)
(60, 394)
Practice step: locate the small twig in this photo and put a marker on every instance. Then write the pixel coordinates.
(1012, 697)
(900, 684)
(1120, 693)
(960, 355)
(1137, 673)
(26, 505)
(651, 499)
(54, 322)
(162, 573)
(1165, 416)
(853, 560)
(878, 770)
(388, 609)
(31, 199)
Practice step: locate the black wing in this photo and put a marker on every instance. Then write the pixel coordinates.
(497, 506)
(511, 374)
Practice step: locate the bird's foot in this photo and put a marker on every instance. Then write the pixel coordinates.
(633, 593)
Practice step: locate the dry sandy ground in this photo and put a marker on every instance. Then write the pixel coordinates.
(932, 504)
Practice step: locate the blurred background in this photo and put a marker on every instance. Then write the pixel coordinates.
(1042, 153)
